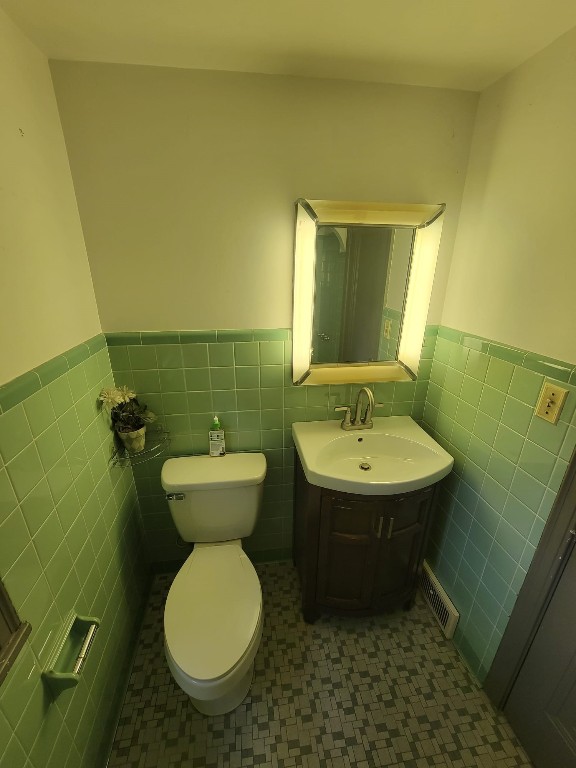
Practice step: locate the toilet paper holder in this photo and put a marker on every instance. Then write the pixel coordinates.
(70, 652)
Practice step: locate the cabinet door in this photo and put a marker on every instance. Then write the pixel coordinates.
(403, 532)
(348, 552)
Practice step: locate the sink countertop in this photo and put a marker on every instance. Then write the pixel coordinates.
(395, 456)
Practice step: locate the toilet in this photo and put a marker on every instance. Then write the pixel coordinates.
(213, 613)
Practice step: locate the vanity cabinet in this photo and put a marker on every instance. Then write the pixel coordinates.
(355, 554)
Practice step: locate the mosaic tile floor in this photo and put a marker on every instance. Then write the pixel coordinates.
(342, 693)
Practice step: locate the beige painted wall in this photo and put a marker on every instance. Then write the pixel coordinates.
(186, 180)
(47, 302)
(513, 275)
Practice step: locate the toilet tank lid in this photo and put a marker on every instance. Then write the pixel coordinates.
(233, 470)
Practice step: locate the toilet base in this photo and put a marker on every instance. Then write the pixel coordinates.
(229, 701)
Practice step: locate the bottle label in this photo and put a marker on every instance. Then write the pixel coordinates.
(217, 444)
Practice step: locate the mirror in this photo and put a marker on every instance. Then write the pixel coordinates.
(363, 275)
(359, 291)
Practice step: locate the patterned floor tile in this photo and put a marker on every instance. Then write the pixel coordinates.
(341, 693)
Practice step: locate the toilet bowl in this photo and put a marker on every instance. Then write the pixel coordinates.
(213, 615)
(213, 626)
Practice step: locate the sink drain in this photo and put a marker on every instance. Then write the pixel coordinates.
(364, 466)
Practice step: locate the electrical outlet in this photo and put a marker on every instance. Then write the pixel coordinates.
(550, 402)
(387, 328)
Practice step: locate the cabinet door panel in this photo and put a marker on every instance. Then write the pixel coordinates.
(347, 554)
(402, 540)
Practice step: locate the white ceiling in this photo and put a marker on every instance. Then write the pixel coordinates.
(463, 44)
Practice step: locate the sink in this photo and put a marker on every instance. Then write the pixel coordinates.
(395, 456)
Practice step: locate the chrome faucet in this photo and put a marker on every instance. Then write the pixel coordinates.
(359, 421)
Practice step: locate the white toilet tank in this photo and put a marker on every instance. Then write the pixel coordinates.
(214, 498)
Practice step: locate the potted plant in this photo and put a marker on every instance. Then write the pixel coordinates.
(128, 416)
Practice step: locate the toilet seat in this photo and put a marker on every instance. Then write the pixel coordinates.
(213, 611)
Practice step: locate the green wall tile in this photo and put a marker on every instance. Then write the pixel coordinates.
(508, 354)
(14, 392)
(197, 337)
(271, 352)
(224, 400)
(500, 469)
(143, 358)
(77, 355)
(195, 355)
(549, 367)
(485, 427)
(492, 402)
(222, 378)
(546, 435)
(146, 381)
(52, 370)
(508, 443)
(48, 538)
(272, 334)
(86, 411)
(499, 374)
(39, 411)
(221, 354)
(271, 376)
(37, 506)
(247, 377)
(25, 471)
(78, 383)
(200, 402)
(197, 379)
(15, 433)
(172, 380)
(235, 335)
(519, 516)
(465, 415)
(247, 353)
(149, 338)
(249, 420)
(119, 359)
(503, 564)
(21, 577)
(59, 479)
(527, 489)
(517, 415)
(14, 536)
(477, 365)
(526, 386)
(169, 356)
(123, 339)
(537, 462)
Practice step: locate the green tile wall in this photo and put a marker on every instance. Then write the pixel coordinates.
(245, 377)
(509, 465)
(70, 538)
(388, 348)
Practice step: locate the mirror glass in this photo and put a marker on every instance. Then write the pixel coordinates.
(362, 283)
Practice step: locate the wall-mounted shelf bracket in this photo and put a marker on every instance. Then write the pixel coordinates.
(157, 441)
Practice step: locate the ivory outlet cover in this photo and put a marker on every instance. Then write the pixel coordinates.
(551, 402)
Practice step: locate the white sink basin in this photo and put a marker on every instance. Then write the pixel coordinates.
(395, 456)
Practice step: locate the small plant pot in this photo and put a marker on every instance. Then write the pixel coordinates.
(133, 441)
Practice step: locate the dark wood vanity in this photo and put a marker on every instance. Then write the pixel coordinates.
(358, 555)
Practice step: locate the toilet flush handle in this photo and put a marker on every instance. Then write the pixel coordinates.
(175, 497)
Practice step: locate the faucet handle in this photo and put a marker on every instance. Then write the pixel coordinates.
(347, 416)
